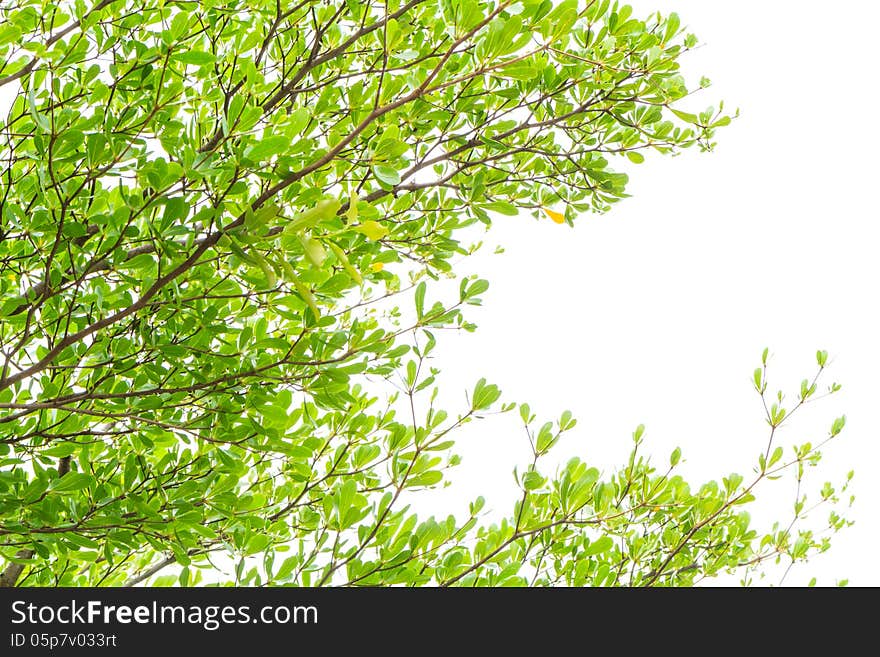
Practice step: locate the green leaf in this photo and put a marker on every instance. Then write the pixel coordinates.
(232, 244)
(11, 305)
(545, 439)
(268, 147)
(386, 175)
(9, 33)
(82, 541)
(476, 288)
(420, 299)
(520, 71)
(687, 117)
(74, 230)
(286, 568)
(426, 479)
(175, 210)
(532, 480)
(179, 24)
(41, 121)
(502, 207)
(673, 22)
(256, 543)
(298, 120)
(484, 395)
(194, 57)
(143, 261)
(70, 483)
(64, 449)
(599, 546)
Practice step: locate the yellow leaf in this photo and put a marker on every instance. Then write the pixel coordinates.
(323, 209)
(352, 213)
(263, 264)
(377, 266)
(346, 264)
(286, 270)
(373, 230)
(558, 217)
(307, 296)
(315, 253)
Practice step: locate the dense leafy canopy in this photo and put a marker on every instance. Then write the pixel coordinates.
(208, 210)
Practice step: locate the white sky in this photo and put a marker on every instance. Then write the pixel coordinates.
(658, 311)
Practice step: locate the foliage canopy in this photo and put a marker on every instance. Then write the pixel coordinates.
(208, 210)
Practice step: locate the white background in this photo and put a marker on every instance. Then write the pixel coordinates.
(658, 311)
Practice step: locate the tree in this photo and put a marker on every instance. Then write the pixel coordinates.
(209, 213)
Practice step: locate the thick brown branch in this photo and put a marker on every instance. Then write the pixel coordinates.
(13, 571)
